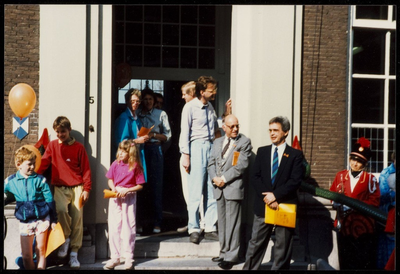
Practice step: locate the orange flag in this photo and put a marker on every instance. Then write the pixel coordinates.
(55, 239)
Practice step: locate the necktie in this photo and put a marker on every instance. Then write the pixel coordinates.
(225, 148)
(208, 126)
(274, 165)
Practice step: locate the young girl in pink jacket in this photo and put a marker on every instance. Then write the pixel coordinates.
(125, 178)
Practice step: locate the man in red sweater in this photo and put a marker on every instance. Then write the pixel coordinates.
(71, 178)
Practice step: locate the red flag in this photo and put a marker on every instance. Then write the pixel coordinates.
(296, 143)
(41, 145)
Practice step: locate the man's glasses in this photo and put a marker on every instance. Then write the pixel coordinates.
(233, 126)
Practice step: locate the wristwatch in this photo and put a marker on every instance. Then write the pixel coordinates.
(154, 135)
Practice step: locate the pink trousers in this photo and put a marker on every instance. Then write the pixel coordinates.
(122, 226)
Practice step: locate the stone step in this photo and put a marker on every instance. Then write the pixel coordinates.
(165, 264)
(174, 245)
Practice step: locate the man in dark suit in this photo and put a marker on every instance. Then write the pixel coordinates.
(228, 160)
(276, 176)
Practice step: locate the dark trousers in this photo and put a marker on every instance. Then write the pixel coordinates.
(357, 253)
(261, 234)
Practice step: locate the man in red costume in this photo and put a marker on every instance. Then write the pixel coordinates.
(356, 233)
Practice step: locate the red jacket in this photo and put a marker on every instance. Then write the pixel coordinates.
(69, 164)
(366, 189)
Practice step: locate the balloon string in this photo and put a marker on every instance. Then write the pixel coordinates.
(15, 142)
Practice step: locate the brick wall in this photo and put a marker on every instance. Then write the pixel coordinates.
(21, 65)
(324, 91)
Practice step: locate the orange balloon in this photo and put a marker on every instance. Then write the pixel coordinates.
(22, 99)
(38, 156)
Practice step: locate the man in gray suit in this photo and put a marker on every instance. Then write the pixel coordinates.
(228, 160)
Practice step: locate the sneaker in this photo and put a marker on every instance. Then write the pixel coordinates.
(156, 229)
(63, 250)
(129, 265)
(182, 229)
(111, 264)
(73, 262)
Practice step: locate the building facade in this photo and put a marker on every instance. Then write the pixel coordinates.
(304, 62)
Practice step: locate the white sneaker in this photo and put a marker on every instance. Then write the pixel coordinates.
(73, 261)
(63, 250)
(182, 229)
(111, 264)
(129, 265)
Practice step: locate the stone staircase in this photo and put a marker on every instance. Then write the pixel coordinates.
(169, 250)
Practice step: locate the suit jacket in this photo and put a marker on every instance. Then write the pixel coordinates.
(234, 187)
(287, 181)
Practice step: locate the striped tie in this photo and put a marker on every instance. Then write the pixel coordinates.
(274, 166)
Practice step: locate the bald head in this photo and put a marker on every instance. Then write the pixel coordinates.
(231, 126)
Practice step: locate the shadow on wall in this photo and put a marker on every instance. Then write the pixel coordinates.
(91, 208)
(315, 226)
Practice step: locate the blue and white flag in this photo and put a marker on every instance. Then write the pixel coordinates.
(20, 127)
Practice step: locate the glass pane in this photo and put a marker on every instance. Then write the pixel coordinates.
(152, 13)
(152, 56)
(134, 55)
(207, 15)
(392, 69)
(375, 136)
(367, 101)
(119, 32)
(372, 12)
(134, 33)
(171, 14)
(134, 13)
(206, 58)
(392, 143)
(152, 34)
(170, 35)
(369, 51)
(119, 54)
(170, 57)
(392, 102)
(188, 58)
(189, 14)
(188, 35)
(118, 12)
(207, 36)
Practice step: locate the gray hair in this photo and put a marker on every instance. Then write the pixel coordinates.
(283, 121)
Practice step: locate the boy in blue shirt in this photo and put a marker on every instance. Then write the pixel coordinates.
(35, 207)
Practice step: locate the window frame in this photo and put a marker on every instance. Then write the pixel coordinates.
(388, 25)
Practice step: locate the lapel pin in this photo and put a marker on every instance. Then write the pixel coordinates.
(286, 155)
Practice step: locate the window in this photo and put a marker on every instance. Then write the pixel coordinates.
(172, 36)
(372, 81)
(156, 85)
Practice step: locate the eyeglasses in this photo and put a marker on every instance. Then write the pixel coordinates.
(232, 126)
(135, 101)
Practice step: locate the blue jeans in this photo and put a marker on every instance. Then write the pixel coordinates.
(199, 184)
(155, 173)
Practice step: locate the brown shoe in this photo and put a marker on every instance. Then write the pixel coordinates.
(194, 237)
(213, 236)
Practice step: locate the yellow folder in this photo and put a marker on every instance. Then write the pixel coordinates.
(109, 194)
(55, 239)
(285, 215)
